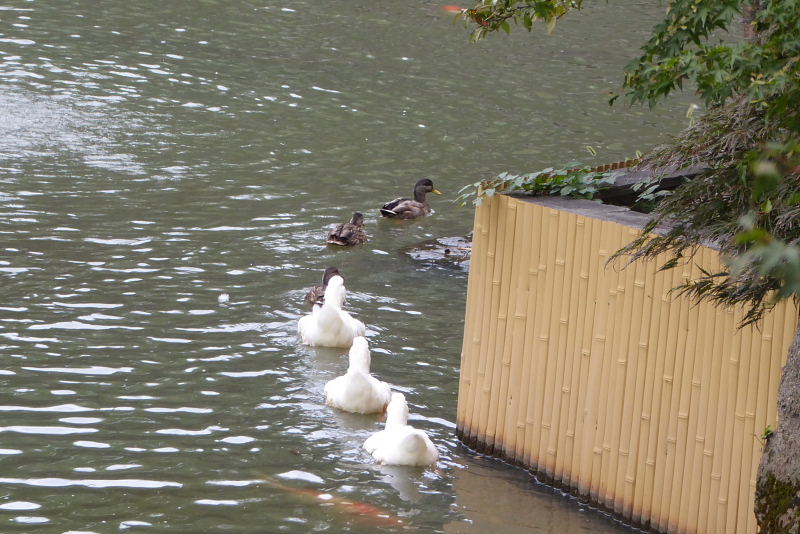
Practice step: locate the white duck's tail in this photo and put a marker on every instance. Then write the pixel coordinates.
(417, 446)
(413, 442)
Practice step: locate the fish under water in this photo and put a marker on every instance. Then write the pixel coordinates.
(349, 509)
(451, 9)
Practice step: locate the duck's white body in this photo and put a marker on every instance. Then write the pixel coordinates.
(399, 443)
(358, 391)
(329, 325)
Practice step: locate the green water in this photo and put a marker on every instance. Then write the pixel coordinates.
(156, 154)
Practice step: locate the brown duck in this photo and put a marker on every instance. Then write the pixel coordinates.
(349, 234)
(316, 295)
(406, 208)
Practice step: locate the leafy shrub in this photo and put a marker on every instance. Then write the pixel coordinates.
(578, 182)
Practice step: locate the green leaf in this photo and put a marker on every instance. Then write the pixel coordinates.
(751, 236)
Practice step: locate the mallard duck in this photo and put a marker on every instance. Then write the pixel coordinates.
(398, 443)
(328, 325)
(358, 391)
(316, 294)
(349, 234)
(406, 208)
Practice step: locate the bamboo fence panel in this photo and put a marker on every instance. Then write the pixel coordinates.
(517, 310)
(604, 381)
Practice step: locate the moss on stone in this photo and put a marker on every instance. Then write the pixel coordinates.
(777, 506)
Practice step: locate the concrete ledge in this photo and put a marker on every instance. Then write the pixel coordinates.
(590, 208)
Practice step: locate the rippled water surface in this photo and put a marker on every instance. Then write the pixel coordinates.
(154, 155)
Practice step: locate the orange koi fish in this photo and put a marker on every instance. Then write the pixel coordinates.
(451, 9)
(353, 510)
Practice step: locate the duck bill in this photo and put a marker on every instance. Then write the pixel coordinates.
(436, 191)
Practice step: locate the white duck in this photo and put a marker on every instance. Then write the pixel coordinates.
(358, 391)
(398, 443)
(329, 325)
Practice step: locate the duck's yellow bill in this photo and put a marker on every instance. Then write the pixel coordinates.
(436, 191)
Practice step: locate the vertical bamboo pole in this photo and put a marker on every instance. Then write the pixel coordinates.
(715, 521)
(625, 354)
(481, 329)
(558, 331)
(790, 325)
(693, 451)
(526, 418)
(473, 322)
(500, 351)
(689, 349)
(549, 336)
(746, 484)
(670, 405)
(591, 358)
(768, 328)
(743, 360)
(598, 368)
(489, 376)
(618, 359)
(662, 404)
(785, 323)
(653, 382)
(544, 340)
(634, 389)
(608, 391)
(711, 424)
(515, 415)
(661, 401)
(731, 439)
(537, 311)
(559, 442)
(576, 268)
(698, 406)
(490, 301)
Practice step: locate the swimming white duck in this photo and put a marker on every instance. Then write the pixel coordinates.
(398, 443)
(358, 391)
(329, 325)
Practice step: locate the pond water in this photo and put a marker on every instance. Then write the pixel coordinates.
(154, 155)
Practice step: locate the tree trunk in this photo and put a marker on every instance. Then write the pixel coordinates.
(748, 16)
(777, 504)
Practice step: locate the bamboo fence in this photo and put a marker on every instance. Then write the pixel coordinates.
(605, 383)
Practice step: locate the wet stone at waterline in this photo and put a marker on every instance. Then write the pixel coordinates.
(445, 251)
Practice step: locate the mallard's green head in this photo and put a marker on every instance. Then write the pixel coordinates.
(422, 187)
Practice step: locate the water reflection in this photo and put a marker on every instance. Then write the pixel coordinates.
(403, 481)
(534, 509)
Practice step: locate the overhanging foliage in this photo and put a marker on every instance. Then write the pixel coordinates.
(746, 202)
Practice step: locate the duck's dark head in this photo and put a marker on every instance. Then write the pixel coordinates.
(422, 187)
(330, 272)
(358, 218)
